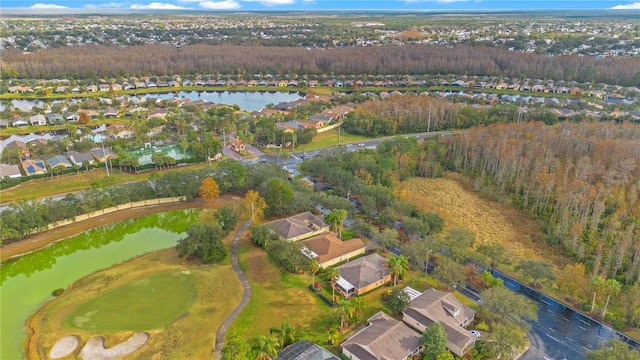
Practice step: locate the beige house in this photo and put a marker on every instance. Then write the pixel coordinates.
(439, 306)
(301, 226)
(11, 171)
(362, 275)
(328, 250)
(384, 338)
(237, 145)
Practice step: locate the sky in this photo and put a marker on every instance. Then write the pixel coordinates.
(315, 5)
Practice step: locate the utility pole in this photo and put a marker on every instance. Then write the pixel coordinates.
(224, 142)
(520, 110)
(429, 120)
(106, 163)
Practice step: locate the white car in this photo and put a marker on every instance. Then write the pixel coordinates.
(475, 333)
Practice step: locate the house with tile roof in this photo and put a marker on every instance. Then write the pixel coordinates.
(362, 275)
(300, 226)
(17, 144)
(442, 307)
(328, 250)
(237, 145)
(383, 338)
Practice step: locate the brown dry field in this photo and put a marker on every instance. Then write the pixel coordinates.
(40, 240)
(192, 336)
(456, 202)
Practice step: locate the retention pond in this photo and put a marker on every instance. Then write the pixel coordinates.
(27, 282)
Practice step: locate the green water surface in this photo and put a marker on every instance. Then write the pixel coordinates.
(27, 282)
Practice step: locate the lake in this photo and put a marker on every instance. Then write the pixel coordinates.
(26, 283)
(246, 100)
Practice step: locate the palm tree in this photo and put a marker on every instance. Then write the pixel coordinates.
(357, 305)
(597, 283)
(345, 311)
(399, 267)
(334, 273)
(268, 347)
(611, 287)
(332, 333)
(336, 218)
(313, 267)
(288, 334)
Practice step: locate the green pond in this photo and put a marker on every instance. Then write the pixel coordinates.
(26, 283)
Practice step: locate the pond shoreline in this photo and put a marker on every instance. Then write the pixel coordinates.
(44, 239)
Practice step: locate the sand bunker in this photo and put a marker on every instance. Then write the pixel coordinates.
(64, 346)
(95, 350)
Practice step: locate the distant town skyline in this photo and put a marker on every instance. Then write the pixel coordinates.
(59, 6)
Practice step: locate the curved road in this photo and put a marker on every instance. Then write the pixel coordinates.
(246, 295)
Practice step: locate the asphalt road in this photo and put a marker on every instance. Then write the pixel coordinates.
(560, 332)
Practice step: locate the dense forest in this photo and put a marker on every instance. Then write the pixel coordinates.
(583, 179)
(412, 114)
(89, 62)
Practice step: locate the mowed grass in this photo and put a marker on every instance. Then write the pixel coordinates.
(330, 138)
(190, 336)
(278, 296)
(75, 182)
(151, 302)
(491, 221)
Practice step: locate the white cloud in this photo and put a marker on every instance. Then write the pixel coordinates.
(47, 6)
(273, 2)
(219, 5)
(157, 6)
(109, 5)
(632, 6)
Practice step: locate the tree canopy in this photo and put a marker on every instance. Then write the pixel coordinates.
(614, 349)
(434, 341)
(203, 241)
(209, 189)
(503, 304)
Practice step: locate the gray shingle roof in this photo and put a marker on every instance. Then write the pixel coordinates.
(439, 306)
(58, 160)
(365, 270)
(383, 338)
(298, 225)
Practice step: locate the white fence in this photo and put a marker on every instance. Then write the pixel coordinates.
(108, 210)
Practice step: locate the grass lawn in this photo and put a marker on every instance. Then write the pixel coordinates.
(189, 336)
(75, 182)
(152, 302)
(276, 297)
(67, 183)
(330, 138)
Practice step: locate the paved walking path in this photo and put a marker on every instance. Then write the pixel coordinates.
(246, 295)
